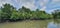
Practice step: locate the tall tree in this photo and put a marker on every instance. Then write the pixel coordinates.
(7, 10)
(56, 14)
(24, 9)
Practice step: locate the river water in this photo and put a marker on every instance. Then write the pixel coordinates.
(32, 24)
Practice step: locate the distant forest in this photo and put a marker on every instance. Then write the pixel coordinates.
(10, 13)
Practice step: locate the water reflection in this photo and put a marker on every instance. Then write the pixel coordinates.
(54, 24)
(57, 21)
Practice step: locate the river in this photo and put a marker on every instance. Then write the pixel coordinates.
(32, 24)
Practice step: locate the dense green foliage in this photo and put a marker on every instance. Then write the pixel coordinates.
(8, 12)
(56, 14)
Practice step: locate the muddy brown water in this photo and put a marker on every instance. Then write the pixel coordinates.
(32, 24)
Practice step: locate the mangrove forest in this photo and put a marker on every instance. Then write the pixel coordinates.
(10, 13)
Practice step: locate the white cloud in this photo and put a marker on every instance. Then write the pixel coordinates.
(27, 3)
(52, 10)
(55, 0)
(20, 3)
(43, 8)
(6, 1)
(31, 3)
(43, 3)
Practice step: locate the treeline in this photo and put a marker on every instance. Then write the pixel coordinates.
(10, 13)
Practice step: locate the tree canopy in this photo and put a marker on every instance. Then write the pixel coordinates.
(10, 12)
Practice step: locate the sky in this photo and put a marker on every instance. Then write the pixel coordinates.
(47, 5)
